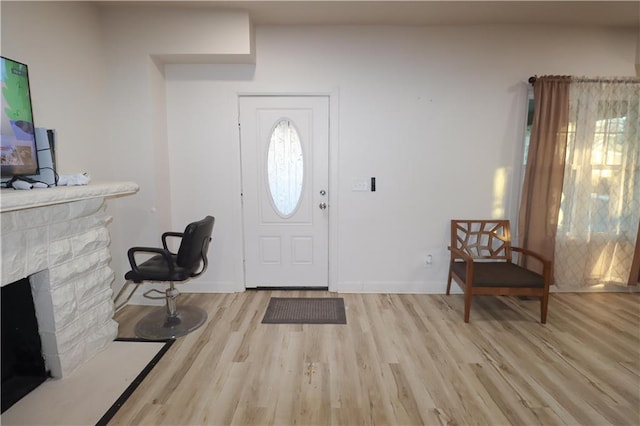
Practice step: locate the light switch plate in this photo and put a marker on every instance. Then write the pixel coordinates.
(359, 185)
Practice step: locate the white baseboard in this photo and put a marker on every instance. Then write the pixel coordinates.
(396, 287)
(603, 289)
(379, 287)
(212, 287)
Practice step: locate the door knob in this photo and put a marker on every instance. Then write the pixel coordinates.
(323, 206)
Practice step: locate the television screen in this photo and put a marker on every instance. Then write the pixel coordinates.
(18, 155)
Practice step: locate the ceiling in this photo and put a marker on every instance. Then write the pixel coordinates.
(420, 12)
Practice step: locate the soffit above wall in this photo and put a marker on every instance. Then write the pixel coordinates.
(420, 12)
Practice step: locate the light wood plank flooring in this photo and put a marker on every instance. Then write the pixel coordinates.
(400, 360)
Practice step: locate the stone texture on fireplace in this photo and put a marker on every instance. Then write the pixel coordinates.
(64, 249)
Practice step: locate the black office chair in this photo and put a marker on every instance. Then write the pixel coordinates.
(189, 262)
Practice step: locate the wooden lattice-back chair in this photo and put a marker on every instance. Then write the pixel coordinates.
(482, 264)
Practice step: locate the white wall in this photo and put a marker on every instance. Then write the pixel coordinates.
(62, 45)
(97, 78)
(435, 113)
(138, 40)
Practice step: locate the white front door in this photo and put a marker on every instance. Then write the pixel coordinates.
(285, 195)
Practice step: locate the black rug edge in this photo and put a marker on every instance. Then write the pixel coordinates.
(342, 320)
(104, 420)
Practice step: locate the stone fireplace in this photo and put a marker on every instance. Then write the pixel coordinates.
(58, 238)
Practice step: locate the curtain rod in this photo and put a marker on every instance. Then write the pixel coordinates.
(533, 78)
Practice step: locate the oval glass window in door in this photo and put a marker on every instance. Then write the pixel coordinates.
(285, 168)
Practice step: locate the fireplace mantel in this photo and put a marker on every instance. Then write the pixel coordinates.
(11, 200)
(58, 238)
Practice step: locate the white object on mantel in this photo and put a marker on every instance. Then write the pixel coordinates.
(77, 179)
(58, 238)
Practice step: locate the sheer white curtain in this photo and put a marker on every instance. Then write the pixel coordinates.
(600, 207)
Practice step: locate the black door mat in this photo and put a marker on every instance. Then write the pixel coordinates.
(305, 310)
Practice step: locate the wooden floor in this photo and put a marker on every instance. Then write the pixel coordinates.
(400, 360)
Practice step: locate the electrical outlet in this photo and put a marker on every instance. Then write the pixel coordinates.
(429, 261)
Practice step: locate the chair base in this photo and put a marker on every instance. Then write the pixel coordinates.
(158, 325)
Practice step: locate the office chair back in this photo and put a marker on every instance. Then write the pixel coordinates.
(192, 254)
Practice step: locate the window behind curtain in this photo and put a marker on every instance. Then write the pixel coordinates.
(600, 207)
(605, 210)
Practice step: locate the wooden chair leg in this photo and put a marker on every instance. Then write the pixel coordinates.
(467, 305)
(449, 283)
(544, 303)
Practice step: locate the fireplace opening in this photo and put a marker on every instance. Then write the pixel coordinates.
(23, 367)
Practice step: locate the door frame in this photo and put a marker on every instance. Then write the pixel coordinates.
(333, 97)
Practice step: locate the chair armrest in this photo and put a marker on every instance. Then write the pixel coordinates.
(531, 253)
(170, 234)
(131, 253)
(546, 263)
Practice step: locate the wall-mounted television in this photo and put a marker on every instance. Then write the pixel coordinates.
(18, 154)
